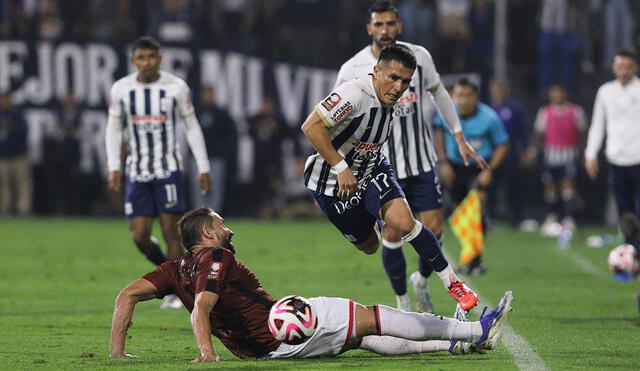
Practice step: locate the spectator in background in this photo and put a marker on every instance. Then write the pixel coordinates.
(231, 23)
(453, 29)
(170, 20)
(559, 42)
(15, 169)
(486, 134)
(418, 22)
(618, 28)
(14, 23)
(481, 26)
(560, 125)
(615, 112)
(221, 138)
(267, 129)
(62, 154)
(114, 21)
(50, 24)
(508, 176)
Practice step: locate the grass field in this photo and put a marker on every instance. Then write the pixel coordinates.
(59, 277)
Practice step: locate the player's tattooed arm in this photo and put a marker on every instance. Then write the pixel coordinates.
(138, 290)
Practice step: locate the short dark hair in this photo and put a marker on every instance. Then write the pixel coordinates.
(627, 52)
(400, 53)
(191, 224)
(465, 82)
(145, 42)
(382, 6)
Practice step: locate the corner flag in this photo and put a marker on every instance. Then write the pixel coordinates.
(466, 224)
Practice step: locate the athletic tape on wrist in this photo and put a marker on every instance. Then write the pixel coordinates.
(340, 166)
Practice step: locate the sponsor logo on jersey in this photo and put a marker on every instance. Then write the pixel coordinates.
(332, 100)
(403, 110)
(409, 98)
(141, 119)
(362, 146)
(341, 111)
(214, 272)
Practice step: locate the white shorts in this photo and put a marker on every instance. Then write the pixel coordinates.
(336, 326)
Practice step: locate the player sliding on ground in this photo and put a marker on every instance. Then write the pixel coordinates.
(225, 299)
(352, 180)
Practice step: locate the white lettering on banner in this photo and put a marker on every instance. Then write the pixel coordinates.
(38, 89)
(70, 55)
(13, 55)
(320, 83)
(41, 122)
(227, 79)
(255, 86)
(93, 157)
(291, 86)
(102, 64)
(90, 70)
(177, 61)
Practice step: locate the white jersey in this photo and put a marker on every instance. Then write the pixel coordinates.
(359, 124)
(149, 114)
(410, 146)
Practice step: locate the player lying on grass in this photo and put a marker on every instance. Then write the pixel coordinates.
(225, 299)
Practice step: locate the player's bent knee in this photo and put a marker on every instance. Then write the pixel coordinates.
(368, 249)
(407, 227)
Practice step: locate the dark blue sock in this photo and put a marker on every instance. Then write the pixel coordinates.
(424, 267)
(396, 268)
(155, 254)
(427, 246)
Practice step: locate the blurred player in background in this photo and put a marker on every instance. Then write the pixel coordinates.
(147, 105)
(488, 137)
(409, 148)
(225, 299)
(561, 126)
(616, 112)
(350, 177)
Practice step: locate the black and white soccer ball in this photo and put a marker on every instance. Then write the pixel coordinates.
(623, 258)
(292, 320)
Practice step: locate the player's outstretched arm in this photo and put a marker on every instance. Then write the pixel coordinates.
(138, 290)
(318, 135)
(467, 151)
(203, 305)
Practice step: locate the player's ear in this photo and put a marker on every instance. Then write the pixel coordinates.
(399, 28)
(207, 232)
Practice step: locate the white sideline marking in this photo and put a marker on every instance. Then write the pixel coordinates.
(584, 264)
(523, 354)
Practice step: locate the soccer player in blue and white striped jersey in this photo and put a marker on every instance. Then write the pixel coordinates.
(350, 177)
(146, 107)
(410, 147)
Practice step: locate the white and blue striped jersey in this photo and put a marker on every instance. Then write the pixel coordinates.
(149, 114)
(359, 124)
(410, 146)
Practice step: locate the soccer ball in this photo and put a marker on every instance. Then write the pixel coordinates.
(292, 320)
(623, 258)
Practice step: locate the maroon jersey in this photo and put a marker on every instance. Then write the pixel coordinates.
(239, 318)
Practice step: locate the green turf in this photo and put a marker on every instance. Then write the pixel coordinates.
(59, 277)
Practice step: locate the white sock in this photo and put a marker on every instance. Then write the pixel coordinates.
(425, 326)
(403, 299)
(391, 346)
(421, 280)
(446, 275)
